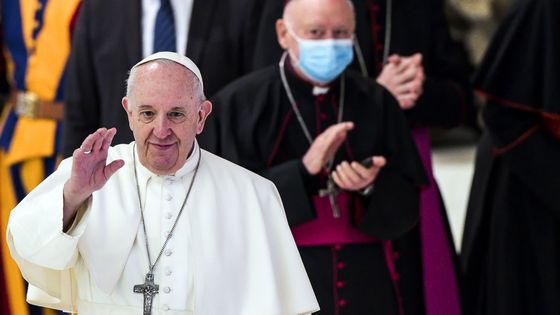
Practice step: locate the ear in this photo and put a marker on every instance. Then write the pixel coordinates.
(205, 110)
(282, 34)
(126, 105)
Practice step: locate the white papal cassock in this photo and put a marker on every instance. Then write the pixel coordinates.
(231, 252)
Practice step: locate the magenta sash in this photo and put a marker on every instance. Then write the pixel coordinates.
(328, 230)
(441, 293)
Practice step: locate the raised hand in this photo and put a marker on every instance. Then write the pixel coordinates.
(354, 176)
(325, 146)
(404, 78)
(90, 170)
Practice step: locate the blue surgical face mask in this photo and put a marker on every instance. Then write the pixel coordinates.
(323, 60)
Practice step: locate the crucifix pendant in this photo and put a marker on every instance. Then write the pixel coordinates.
(149, 289)
(331, 191)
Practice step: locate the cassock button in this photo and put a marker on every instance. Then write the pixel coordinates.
(168, 197)
(167, 289)
(337, 247)
(167, 234)
(168, 252)
(342, 303)
(168, 272)
(340, 284)
(169, 215)
(165, 308)
(340, 265)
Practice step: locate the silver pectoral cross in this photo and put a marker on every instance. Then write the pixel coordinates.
(331, 191)
(149, 289)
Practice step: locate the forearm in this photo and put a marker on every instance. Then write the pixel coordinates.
(35, 230)
(392, 209)
(71, 205)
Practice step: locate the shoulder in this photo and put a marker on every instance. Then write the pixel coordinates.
(250, 84)
(367, 91)
(357, 81)
(226, 171)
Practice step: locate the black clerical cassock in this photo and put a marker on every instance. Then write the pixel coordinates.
(254, 125)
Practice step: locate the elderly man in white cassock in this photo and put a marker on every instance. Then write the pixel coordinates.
(158, 226)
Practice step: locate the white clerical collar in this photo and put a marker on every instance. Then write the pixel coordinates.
(144, 174)
(320, 90)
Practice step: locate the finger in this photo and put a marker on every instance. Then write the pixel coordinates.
(340, 182)
(408, 74)
(407, 100)
(335, 135)
(98, 144)
(394, 59)
(421, 75)
(342, 126)
(412, 60)
(351, 173)
(88, 145)
(417, 59)
(366, 174)
(337, 181)
(108, 139)
(359, 168)
(400, 77)
(344, 177)
(112, 167)
(379, 161)
(411, 86)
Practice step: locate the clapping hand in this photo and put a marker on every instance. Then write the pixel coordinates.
(354, 176)
(325, 146)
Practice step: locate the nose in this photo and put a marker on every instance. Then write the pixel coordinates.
(162, 127)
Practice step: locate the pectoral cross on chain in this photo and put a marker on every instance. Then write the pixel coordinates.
(331, 191)
(149, 289)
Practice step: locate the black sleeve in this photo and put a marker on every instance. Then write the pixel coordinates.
(393, 208)
(446, 100)
(81, 98)
(532, 153)
(292, 180)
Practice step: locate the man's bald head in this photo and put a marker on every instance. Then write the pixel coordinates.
(314, 20)
(294, 8)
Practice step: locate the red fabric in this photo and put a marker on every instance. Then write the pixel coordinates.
(328, 230)
(4, 305)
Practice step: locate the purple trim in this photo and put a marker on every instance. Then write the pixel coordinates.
(334, 280)
(280, 137)
(394, 275)
(441, 293)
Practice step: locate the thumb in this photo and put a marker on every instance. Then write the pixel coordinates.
(379, 161)
(112, 167)
(417, 58)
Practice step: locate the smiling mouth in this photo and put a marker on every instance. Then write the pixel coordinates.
(162, 146)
